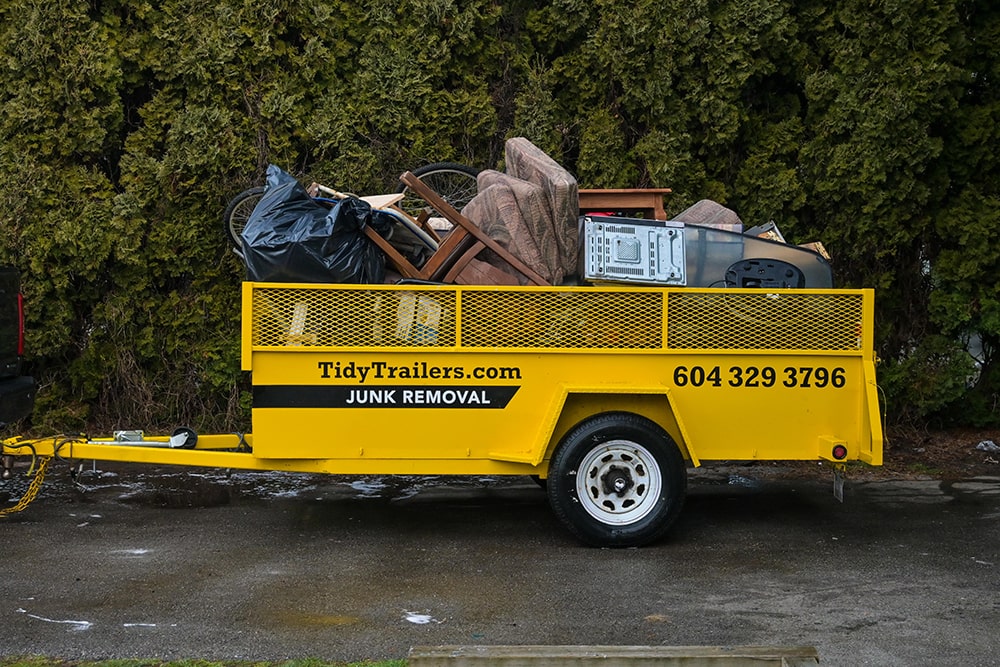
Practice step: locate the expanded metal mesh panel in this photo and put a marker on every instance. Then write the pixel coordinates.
(352, 318)
(555, 319)
(562, 319)
(757, 320)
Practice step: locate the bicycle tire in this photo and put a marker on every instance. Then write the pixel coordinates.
(456, 183)
(238, 212)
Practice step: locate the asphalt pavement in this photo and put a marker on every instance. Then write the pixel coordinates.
(133, 562)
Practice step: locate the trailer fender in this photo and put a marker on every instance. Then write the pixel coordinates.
(571, 405)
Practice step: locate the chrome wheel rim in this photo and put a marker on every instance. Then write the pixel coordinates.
(619, 483)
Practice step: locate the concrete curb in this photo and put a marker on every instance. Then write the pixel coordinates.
(612, 656)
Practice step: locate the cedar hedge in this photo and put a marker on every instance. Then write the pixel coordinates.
(128, 125)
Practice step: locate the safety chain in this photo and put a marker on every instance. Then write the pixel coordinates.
(33, 488)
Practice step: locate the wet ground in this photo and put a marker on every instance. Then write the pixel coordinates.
(168, 563)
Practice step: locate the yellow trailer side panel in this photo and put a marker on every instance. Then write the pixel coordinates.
(453, 374)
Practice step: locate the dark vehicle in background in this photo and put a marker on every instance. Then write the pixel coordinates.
(17, 392)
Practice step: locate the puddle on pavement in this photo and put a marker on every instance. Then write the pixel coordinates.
(171, 487)
(744, 482)
(979, 490)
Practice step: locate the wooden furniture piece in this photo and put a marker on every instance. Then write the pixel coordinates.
(462, 231)
(647, 201)
(420, 225)
(456, 253)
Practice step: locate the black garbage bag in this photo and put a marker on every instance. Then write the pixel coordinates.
(291, 237)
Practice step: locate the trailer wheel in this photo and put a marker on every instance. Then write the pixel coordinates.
(456, 183)
(617, 480)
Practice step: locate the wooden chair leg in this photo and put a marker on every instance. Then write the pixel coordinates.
(470, 228)
(424, 221)
(403, 265)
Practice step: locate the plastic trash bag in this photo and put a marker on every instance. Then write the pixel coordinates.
(291, 237)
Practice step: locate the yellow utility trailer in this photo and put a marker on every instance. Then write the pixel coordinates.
(608, 393)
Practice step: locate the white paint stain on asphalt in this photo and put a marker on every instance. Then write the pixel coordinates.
(131, 552)
(419, 619)
(77, 626)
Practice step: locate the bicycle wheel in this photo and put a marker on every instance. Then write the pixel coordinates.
(456, 183)
(238, 212)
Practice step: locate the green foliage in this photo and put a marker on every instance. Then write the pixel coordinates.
(128, 125)
(929, 382)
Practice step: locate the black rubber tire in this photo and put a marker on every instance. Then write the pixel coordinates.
(238, 212)
(628, 449)
(456, 183)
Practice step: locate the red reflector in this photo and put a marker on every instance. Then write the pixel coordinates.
(20, 325)
(840, 452)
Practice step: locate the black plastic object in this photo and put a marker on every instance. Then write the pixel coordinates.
(291, 237)
(764, 273)
(710, 253)
(190, 437)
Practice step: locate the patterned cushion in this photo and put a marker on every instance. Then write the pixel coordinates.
(527, 162)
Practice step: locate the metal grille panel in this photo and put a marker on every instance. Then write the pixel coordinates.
(614, 319)
(757, 320)
(359, 317)
(555, 319)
